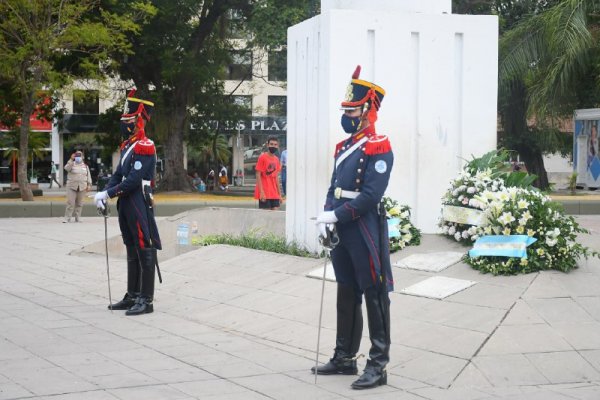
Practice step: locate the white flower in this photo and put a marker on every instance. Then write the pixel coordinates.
(496, 206)
(407, 238)
(445, 229)
(457, 236)
(553, 233)
(471, 190)
(506, 218)
(451, 230)
(551, 242)
(527, 215)
(503, 196)
(483, 175)
(522, 204)
(506, 231)
(522, 221)
(489, 195)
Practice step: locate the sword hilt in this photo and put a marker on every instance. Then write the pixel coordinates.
(103, 211)
(331, 240)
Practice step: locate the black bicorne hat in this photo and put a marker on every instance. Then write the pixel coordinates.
(360, 91)
(136, 107)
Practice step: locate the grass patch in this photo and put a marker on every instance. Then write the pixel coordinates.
(252, 240)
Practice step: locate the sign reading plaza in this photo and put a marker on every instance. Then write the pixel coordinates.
(254, 125)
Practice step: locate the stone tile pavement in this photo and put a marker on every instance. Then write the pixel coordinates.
(233, 323)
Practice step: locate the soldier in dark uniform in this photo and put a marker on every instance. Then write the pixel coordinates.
(132, 184)
(361, 260)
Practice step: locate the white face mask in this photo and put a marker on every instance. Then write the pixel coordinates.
(77, 159)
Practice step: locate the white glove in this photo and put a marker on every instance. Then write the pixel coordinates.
(100, 196)
(323, 228)
(328, 217)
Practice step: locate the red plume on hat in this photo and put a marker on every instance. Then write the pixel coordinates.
(356, 73)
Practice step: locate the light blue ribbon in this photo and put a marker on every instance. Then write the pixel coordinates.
(393, 227)
(502, 245)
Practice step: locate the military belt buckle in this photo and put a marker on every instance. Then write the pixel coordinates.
(337, 193)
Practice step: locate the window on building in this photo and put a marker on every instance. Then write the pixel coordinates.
(277, 106)
(86, 102)
(277, 66)
(240, 66)
(244, 102)
(235, 25)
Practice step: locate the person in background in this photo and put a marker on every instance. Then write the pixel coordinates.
(53, 173)
(267, 183)
(79, 181)
(223, 178)
(210, 180)
(197, 182)
(283, 161)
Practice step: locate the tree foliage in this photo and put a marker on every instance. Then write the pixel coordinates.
(543, 50)
(179, 62)
(45, 44)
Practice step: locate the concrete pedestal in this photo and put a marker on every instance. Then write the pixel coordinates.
(440, 74)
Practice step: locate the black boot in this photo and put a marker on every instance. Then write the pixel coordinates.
(349, 332)
(133, 281)
(143, 304)
(378, 315)
(125, 304)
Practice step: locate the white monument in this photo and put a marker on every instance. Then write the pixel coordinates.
(440, 74)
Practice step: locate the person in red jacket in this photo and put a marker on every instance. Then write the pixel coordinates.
(267, 190)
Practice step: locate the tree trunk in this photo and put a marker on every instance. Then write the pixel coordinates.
(514, 113)
(175, 177)
(26, 193)
(534, 162)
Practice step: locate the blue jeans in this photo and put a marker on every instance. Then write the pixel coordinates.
(283, 179)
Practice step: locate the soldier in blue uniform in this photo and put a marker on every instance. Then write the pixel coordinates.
(132, 184)
(361, 260)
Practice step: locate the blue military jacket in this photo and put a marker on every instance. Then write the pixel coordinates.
(363, 165)
(137, 163)
(136, 168)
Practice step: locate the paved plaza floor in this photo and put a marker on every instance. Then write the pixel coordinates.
(234, 323)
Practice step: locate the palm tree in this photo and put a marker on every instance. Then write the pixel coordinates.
(215, 149)
(541, 62)
(9, 141)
